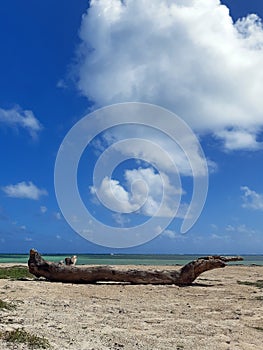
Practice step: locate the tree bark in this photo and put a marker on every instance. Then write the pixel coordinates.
(58, 272)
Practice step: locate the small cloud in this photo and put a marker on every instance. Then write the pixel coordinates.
(240, 229)
(98, 146)
(61, 84)
(58, 237)
(239, 139)
(24, 190)
(43, 209)
(18, 118)
(230, 228)
(172, 234)
(57, 216)
(74, 218)
(169, 233)
(251, 199)
(215, 236)
(121, 219)
(28, 239)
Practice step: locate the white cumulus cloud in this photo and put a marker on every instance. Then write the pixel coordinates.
(251, 199)
(169, 233)
(188, 56)
(24, 190)
(159, 150)
(240, 139)
(149, 194)
(18, 118)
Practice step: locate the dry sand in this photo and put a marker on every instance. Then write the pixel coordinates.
(215, 313)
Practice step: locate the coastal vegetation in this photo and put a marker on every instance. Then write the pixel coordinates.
(15, 272)
(259, 329)
(16, 336)
(258, 283)
(24, 337)
(5, 305)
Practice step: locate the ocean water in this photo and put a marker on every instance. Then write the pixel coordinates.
(126, 259)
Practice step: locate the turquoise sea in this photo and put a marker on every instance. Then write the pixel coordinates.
(126, 259)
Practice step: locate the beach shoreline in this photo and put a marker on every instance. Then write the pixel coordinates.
(215, 313)
(126, 259)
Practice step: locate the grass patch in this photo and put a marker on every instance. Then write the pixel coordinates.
(15, 272)
(6, 305)
(259, 328)
(258, 283)
(21, 336)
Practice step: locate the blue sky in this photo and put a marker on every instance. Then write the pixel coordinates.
(61, 60)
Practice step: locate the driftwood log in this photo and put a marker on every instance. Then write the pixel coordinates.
(82, 274)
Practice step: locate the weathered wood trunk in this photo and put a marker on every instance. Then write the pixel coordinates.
(83, 274)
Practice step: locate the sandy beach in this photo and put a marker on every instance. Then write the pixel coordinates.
(215, 313)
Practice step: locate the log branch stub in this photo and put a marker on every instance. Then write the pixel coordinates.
(186, 275)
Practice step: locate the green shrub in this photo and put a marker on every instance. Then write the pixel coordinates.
(15, 272)
(258, 283)
(259, 328)
(21, 336)
(6, 305)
